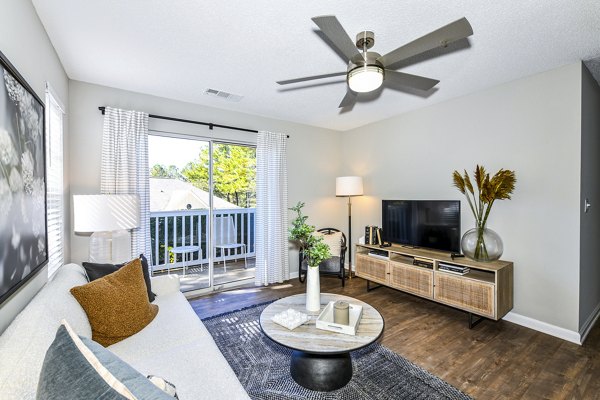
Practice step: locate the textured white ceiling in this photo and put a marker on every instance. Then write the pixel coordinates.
(177, 49)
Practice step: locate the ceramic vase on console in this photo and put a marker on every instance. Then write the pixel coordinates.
(481, 244)
(313, 289)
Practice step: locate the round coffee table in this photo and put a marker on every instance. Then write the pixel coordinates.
(321, 359)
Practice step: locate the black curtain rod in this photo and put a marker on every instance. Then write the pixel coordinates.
(189, 121)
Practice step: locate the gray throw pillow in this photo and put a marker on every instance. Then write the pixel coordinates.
(78, 368)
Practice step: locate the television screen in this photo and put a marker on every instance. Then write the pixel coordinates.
(434, 224)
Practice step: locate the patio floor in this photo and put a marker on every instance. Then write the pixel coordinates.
(197, 277)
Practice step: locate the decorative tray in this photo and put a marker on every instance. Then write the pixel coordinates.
(325, 320)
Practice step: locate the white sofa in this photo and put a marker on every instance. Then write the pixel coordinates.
(175, 345)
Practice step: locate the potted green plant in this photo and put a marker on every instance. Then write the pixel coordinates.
(481, 243)
(315, 252)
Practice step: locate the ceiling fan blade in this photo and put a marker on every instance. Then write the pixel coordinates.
(310, 78)
(332, 28)
(408, 80)
(454, 31)
(348, 100)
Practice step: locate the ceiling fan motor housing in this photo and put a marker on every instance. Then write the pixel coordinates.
(365, 39)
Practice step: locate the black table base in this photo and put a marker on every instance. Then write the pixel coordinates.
(322, 372)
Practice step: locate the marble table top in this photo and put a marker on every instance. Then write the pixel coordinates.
(308, 338)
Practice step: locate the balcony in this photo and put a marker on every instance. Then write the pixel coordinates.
(170, 229)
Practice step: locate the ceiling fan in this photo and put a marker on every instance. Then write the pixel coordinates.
(368, 70)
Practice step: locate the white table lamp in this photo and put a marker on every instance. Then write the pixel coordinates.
(109, 217)
(348, 186)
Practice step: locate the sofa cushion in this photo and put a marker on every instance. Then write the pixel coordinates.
(165, 284)
(78, 368)
(177, 346)
(24, 343)
(117, 304)
(95, 271)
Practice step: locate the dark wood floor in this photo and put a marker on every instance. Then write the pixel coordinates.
(494, 360)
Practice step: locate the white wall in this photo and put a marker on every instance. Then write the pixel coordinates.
(24, 42)
(531, 126)
(589, 286)
(313, 153)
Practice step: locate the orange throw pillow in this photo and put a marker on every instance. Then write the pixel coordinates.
(117, 304)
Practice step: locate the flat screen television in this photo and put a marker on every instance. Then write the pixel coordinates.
(433, 224)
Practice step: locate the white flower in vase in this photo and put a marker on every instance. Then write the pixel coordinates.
(5, 198)
(27, 171)
(8, 154)
(30, 116)
(14, 88)
(15, 181)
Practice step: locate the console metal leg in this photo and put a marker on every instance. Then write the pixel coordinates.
(369, 288)
(474, 322)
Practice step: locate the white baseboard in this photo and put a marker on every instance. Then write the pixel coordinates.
(544, 327)
(589, 324)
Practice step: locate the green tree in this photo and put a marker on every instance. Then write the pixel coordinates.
(234, 173)
(162, 171)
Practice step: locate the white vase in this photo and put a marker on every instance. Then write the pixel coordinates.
(313, 290)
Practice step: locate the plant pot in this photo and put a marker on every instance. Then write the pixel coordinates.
(313, 289)
(481, 244)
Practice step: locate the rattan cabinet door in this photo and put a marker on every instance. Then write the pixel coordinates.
(411, 279)
(372, 268)
(466, 294)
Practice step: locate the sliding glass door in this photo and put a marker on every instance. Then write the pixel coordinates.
(234, 207)
(202, 201)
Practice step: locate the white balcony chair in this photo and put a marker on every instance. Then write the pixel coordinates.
(226, 238)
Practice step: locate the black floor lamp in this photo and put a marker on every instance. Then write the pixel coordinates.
(348, 186)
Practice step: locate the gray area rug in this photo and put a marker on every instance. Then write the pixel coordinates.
(263, 366)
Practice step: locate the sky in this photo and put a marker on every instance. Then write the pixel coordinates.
(173, 151)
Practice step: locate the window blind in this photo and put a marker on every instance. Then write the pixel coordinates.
(54, 172)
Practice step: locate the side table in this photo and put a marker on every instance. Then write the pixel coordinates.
(185, 251)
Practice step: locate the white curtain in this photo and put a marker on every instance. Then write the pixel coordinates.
(124, 167)
(272, 263)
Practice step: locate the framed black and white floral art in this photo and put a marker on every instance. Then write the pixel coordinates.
(23, 229)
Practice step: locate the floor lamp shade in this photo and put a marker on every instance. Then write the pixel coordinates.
(349, 186)
(109, 217)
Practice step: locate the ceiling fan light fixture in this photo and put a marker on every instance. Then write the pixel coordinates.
(365, 78)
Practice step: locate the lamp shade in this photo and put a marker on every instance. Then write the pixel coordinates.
(349, 186)
(365, 79)
(105, 212)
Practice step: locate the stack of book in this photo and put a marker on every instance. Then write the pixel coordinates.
(453, 269)
(372, 235)
(423, 262)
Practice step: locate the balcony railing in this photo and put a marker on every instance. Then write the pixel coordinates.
(169, 229)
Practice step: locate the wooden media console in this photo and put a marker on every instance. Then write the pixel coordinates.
(486, 290)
